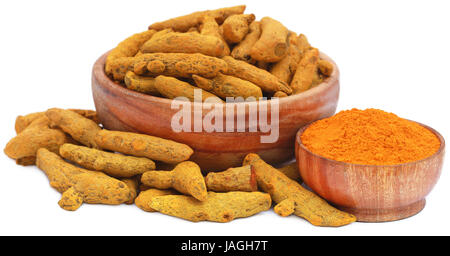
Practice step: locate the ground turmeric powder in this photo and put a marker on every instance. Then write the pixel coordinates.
(370, 136)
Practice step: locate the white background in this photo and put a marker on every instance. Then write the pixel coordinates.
(393, 55)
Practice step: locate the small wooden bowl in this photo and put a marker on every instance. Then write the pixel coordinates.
(372, 193)
(125, 110)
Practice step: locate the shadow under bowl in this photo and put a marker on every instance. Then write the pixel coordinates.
(373, 193)
(125, 110)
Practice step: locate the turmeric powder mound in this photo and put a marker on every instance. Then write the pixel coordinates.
(370, 136)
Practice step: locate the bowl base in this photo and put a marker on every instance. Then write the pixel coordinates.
(383, 215)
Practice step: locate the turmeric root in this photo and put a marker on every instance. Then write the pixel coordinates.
(317, 78)
(38, 134)
(71, 200)
(291, 171)
(186, 178)
(228, 86)
(242, 50)
(120, 66)
(325, 67)
(79, 185)
(172, 88)
(127, 48)
(285, 68)
(133, 185)
(143, 145)
(178, 65)
(280, 94)
(140, 83)
(266, 81)
(306, 70)
(306, 204)
(113, 164)
(303, 44)
(145, 197)
(184, 23)
(194, 30)
(233, 179)
(89, 114)
(175, 42)
(210, 27)
(236, 27)
(272, 45)
(80, 128)
(219, 207)
(22, 122)
(285, 207)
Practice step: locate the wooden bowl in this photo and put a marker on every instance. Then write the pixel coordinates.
(125, 110)
(372, 193)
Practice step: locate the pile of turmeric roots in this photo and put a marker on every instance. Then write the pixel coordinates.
(89, 164)
(223, 52)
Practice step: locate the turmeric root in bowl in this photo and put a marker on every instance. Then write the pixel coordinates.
(220, 54)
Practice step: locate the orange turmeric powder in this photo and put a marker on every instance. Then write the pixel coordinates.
(370, 136)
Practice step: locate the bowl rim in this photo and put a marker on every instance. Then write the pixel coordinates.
(298, 141)
(100, 74)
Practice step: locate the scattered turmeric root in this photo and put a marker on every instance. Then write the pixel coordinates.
(113, 164)
(36, 135)
(228, 86)
(186, 178)
(143, 145)
(23, 122)
(305, 203)
(89, 114)
(219, 207)
(285, 207)
(133, 185)
(80, 128)
(291, 171)
(233, 179)
(145, 197)
(184, 23)
(80, 185)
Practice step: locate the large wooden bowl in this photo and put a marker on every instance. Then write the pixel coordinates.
(126, 110)
(372, 193)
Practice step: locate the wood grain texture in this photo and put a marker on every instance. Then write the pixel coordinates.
(121, 109)
(372, 193)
